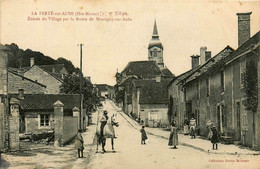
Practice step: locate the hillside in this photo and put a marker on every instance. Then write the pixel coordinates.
(21, 58)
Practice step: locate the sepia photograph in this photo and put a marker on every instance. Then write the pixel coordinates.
(129, 84)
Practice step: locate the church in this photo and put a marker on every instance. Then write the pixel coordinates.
(141, 87)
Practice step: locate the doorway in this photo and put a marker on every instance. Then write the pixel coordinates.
(238, 110)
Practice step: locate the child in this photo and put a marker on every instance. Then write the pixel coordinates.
(214, 138)
(143, 135)
(79, 144)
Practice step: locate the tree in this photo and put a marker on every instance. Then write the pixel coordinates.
(250, 86)
(71, 85)
(251, 91)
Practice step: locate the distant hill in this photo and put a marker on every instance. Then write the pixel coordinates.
(21, 58)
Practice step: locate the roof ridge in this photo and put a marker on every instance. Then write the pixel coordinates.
(10, 70)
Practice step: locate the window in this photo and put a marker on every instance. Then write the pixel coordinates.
(207, 84)
(44, 120)
(155, 53)
(224, 116)
(222, 83)
(242, 73)
(198, 90)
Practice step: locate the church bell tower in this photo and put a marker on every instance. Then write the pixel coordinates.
(155, 48)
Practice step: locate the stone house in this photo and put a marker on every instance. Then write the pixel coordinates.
(36, 110)
(3, 92)
(199, 86)
(214, 92)
(17, 81)
(49, 75)
(150, 102)
(176, 97)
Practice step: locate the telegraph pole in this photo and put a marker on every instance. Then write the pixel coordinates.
(80, 89)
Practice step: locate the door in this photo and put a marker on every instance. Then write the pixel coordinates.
(219, 118)
(238, 121)
(188, 110)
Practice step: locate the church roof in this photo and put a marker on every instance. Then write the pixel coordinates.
(142, 69)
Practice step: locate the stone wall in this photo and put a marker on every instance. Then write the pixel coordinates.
(178, 102)
(70, 129)
(154, 114)
(2, 112)
(36, 73)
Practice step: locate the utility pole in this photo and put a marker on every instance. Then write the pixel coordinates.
(80, 89)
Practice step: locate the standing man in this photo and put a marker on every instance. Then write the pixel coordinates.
(103, 123)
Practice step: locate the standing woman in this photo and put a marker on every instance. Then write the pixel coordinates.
(79, 144)
(173, 140)
(186, 126)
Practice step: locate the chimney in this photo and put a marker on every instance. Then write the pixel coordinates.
(20, 94)
(243, 27)
(194, 61)
(31, 61)
(207, 55)
(202, 55)
(158, 78)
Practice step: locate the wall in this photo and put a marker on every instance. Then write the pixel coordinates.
(258, 109)
(36, 73)
(159, 110)
(16, 82)
(3, 91)
(178, 103)
(70, 129)
(2, 112)
(32, 122)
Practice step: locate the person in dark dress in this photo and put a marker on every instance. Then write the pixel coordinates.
(214, 138)
(143, 135)
(79, 144)
(173, 140)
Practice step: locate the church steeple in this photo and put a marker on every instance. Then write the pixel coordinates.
(155, 31)
(155, 48)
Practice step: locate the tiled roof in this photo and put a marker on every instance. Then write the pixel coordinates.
(167, 73)
(142, 69)
(25, 78)
(49, 68)
(127, 80)
(248, 45)
(217, 59)
(152, 92)
(46, 101)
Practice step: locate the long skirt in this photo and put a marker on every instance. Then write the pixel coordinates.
(173, 140)
(186, 129)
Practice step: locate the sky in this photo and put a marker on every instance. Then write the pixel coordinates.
(183, 27)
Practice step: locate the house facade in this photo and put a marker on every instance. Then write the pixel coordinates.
(214, 93)
(49, 75)
(37, 110)
(17, 81)
(150, 102)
